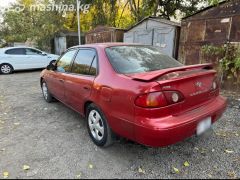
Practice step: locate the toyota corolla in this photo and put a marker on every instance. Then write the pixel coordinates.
(136, 92)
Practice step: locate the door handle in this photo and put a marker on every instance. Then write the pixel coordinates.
(61, 80)
(86, 88)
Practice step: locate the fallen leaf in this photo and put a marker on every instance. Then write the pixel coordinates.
(16, 124)
(90, 166)
(210, 176)
(176, 170)
(223, 134)
(236, 134)
(5, 174)
(229, 151)
(79, 176)
(26, 167)
(186, 164)
(140, 170)
(196, 148)
(231, 174)
(236, 159)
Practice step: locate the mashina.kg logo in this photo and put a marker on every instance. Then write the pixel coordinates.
(49, 7)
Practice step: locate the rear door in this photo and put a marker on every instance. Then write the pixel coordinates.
(56, 79)
(79, 83)
(17, 58)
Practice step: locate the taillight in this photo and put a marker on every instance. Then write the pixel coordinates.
(158, 99)
(215, 84)
(173, 97)
(151, 100)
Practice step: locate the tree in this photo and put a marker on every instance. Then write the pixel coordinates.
(41, 26)
(163, 8)
(168, 8)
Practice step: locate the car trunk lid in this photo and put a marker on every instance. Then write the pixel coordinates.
(193, 82)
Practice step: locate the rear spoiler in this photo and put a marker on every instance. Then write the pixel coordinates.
(148, 76)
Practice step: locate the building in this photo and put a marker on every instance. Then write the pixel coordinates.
(64, 40)
(214, 25)
(157, 32)
(103, 34)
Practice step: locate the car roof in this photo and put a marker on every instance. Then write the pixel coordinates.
(105, 45)
(18, 47)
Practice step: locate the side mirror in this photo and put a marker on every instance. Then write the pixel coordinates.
(52, 65)
(44, 54)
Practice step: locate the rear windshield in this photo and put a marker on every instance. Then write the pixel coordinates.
(137, 59)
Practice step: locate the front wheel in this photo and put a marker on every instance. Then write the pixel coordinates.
(46, 94)
(6, 69)
(98, 128)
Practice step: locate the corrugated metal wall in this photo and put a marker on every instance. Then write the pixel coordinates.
(155, 33)
(103, 34)
(213, 26)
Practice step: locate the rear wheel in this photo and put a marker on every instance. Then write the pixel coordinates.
(6, 69)
(98, 128)
(46, 94)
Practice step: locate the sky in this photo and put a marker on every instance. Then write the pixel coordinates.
(5, 3)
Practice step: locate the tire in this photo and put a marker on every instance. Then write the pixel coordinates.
(100, 132)
(46, 94)
(6, 68)
(53, 61)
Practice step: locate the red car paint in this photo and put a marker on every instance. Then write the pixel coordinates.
(117, 94)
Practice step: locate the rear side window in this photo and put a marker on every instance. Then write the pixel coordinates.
(85, 62)
(33, 52)
(64, 63)
(138, 59)
(17, 51)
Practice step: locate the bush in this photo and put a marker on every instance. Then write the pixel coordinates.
(228, 65)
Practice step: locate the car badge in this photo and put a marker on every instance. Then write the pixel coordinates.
(198, 84)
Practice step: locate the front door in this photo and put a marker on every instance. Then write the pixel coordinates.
(38, 60)
(56, 79)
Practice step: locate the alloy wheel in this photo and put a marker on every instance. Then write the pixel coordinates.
(6, 69)
(45, 90)
(96, 126)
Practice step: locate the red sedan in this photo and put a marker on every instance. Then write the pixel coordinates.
(136, 92)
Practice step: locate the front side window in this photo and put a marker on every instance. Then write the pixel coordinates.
(16, 51)
(64, 63)
(33, 52)
(85, 62)
(138, 59)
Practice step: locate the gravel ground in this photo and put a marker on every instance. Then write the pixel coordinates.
(53, 141)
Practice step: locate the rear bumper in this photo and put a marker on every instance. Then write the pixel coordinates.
(172, 129)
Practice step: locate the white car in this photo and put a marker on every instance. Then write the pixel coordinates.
(23, 58)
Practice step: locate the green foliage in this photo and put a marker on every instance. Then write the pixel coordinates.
(38, 26)
(213, 50)
(213, 2)
(186, 7)
(230, 59)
